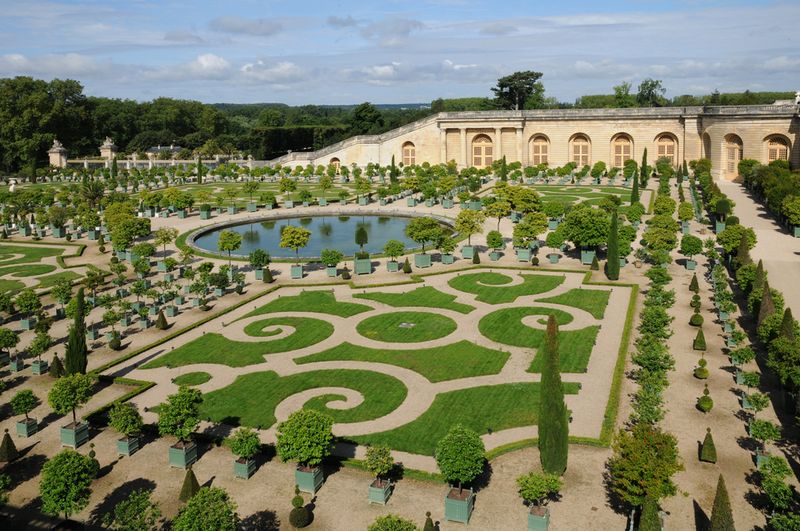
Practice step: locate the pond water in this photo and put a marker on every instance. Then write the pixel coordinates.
(327, 232)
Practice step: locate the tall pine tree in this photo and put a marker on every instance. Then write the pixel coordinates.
(76, 358)
(612, 256)
(553, 421)
(721, 515)
(635, 189)
(645, 170)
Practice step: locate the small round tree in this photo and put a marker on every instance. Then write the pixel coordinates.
(331, 257)
(494, 239)
(69, 393)
(125, 419)
(393, 249)
(691, 245)
(536, 488)
(137, 512)
(469, 222)
(392, 522)
(294, 238)
(210, 508)
(423, 231)
(24, 402)
(65, 482)
(244, 443)
(460, 455)
(380, 462)
(305, 437)
(179, 416)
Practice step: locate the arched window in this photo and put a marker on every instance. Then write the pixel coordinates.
(667, 147)
(622, 149)
(409, 154)
(540, 147)
(482, 152)
(581, 150)
(733, 154)
(777, 148)
(336, 163)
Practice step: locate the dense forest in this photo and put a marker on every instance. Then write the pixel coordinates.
(33, 112)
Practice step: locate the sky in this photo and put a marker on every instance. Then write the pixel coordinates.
(389, 51)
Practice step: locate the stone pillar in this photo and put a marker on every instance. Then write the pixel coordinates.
(464, 160)
(520, 148)
(57, 155)
(443, 146)
(497, 154)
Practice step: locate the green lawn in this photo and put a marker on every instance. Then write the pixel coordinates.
(574, 346)
(593, 301)
(427, 297)
(489, 286)
(10, 285)
(494, 407)
(437, 364)
(215, 348)
(31, 254)
(311, 301)
(27, 270)
(251, 399)
(192, 378)
(389, 327)
(50, 280)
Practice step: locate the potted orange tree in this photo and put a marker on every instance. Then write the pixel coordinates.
(23, 403)
(67, 394)
(125, 418)
(245, 444)
(178, 417)
(306, 437)
(380, 462)
(460, 456)
(536, 490)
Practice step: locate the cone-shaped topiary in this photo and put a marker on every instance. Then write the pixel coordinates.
(767, 305)
(693, 284)
(161, 321)
(428, 523)
(8, 450)
(476, 258)
(612, 256)
(705, 403)
(268, 276)
(56, 368)
(553, 417)
(760, 278)
(743, 251)
(708, 452)
(699, 342)
(649, 520)
(406, 266)
(721, 515)
(190, 486)
(595, 264)
(787, 325)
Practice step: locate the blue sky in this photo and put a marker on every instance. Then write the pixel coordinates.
(301, 52)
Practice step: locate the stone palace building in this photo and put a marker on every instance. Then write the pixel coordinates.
(724, 134)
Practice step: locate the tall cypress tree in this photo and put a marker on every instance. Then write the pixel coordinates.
(721, 515)
(612, 256)
(767, 305)
(644, 169)
(76, 357)
(760, 278)
(685, 169)
(743, 253)
(553, 421)
(635, 189)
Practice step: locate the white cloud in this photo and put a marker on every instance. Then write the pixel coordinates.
(282, 73)
(391, 31)
(183, 37)
(341, 22)
(498, 29)
(50, 65)
(261, 27)
(206, 66)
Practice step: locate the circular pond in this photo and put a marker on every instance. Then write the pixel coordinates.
(327, 232)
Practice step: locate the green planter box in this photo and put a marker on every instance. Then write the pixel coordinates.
(232, 210)
(516, 217)
(153, 310)
(727, 327)
(161, 266)
(260, 273)
(195, 303)
(16, 365)
(288, 204)
(495, 255)
(363, 266)
(25, 324)
(92, 334)
(127, 445)
(524, 255)
(796, 232)
(554, 258)
(252, 207)
(181, 213)
(179, 300)
(58, 232)
(305, 203)
(411, 202)
(739, 377)
(538, 519)
(422, 260)
(163, 214)
(26, 231)
(332, 271)
(182, 455)
(475, 205)
(26, 428)
(322, 201)
(74, 435)
(730, 342)
(723, 316)
(393, 266)
(309, 480)
(691, 265)
(468, 252)
(244, 468)
(587, 255)
(552, 224)
(297, 271)
(39, 367)
(448, 259)
(459, 510)
(719, 226)
(382, 202)
(171, 311)
(363, 201)
(205, 214)
(685, 227)
(746, 403)
(380, 491)
(447, 203)
(430, 202)
(761, 460)
(144, 324)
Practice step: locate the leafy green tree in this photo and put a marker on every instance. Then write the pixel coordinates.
(244, 443)
(65, 481)
(8, 339)
(537, 488)
(165, 236)
(519, 90)
(69, 393)
(393, 249)
(362, 237)
(623, 97)
(305, 437)
(366, 119)
(125, 418)
(294, 238)
(229, 241)
(137, 512)
(612, 256)
(179, 415)
(62, 291)
(259, 259)
(499, 210)
(392, 522)
(24, 402)
(210, 508)
(721, 514)
(651, 93)
(379, 460)
(460, 455)
(470, 222)
(424, 230)
(28, 302)
(331, 257)
(553, 415)
(586, 227)
(77, 353)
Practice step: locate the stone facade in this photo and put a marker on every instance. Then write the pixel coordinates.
(723, 134)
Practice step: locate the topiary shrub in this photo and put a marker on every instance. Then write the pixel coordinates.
(705, 403)
(476, 258)
(696, 320)
(346, 273)
(161, 321)
(8, 450)
(595, 264)
(56, 368)
(268, 276)
(190, 486)
(695, 302)
(535, 261)
(708, 452)
(406, 266)
(693, 285)
(701, 372)
(699, 342)
(115, 343)
(300, 516)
